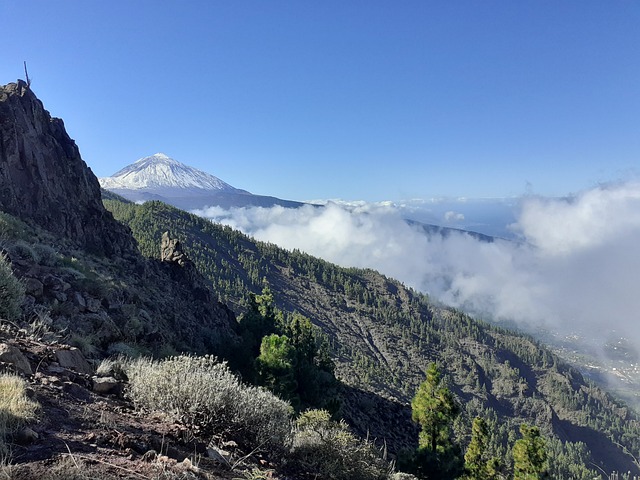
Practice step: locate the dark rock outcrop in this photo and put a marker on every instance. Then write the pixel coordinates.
(44, 180)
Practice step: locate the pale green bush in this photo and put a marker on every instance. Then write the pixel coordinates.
(328, 450)
(11, 291)
(11, 227)
(112, 367)
(202, 391)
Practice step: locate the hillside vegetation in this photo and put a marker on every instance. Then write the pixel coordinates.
(383, 336)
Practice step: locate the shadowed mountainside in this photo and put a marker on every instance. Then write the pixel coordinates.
(80, 265)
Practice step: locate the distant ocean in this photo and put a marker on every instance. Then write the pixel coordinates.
(490, 216)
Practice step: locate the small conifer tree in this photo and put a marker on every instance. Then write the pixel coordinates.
(529, 455)
(477, 464)
(434, 408)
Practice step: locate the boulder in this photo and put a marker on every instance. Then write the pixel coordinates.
(171, 251)
(93, 305)
(218, 455)
(33, 287)
(12, 354)
(107, 385)
(79, 301)
(26, 436)
(73, 359)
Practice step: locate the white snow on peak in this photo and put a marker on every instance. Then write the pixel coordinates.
(161, 171)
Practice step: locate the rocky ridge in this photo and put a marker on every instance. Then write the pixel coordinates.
(82, 271)
(43, 178)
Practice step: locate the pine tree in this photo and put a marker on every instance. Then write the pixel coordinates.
(259, 321)
(476, 462)
(434, 408)
(275, 367)
(530, 455)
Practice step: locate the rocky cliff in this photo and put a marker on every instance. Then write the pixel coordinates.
(44, 180)
(82, 271)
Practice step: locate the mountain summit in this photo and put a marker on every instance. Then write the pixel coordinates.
(160, 177)
(161, 172)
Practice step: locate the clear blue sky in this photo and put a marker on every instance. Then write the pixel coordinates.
(371, 100)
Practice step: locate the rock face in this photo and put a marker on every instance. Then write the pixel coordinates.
(171, 251)
(44, 180)
(126, 301)
(183, 269)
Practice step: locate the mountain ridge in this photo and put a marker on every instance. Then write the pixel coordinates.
(48, 194)
(44, 179)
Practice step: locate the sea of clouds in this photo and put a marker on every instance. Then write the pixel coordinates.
(572, 263)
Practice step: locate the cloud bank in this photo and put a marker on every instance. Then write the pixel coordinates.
(576, 264)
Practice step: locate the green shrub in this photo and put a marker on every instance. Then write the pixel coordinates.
(47, 255)
(125, 350)
(87, 344)
(328, 450)
(11, 291)
(402, 476)
(11, 227)
(201, 391)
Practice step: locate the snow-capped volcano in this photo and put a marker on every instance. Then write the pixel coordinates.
(160, 177)
(160, 172)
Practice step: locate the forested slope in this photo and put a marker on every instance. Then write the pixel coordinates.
(383, 336)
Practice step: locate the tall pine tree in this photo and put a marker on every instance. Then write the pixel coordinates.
(530, 455)
(434, 408)
(477, 464)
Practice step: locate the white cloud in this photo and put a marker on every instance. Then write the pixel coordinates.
(354, 235)
(577, 264)
(452, 216)
(595, 217)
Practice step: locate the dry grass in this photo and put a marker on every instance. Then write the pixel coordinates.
(16, 409)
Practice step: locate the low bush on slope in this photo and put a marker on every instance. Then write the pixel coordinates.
(204, 392)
